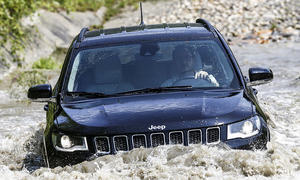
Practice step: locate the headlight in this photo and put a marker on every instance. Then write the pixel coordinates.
(244, 129)
(67, 143)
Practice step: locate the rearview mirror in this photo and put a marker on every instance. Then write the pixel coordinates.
(40, 91)
(259, 76)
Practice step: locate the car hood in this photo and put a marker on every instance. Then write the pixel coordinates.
(168, 111)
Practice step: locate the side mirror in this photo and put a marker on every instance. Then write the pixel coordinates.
(40, 91)
(259, 76)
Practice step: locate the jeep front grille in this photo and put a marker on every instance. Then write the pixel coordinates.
(126, 142)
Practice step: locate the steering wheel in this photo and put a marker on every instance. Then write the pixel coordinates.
(191, 81)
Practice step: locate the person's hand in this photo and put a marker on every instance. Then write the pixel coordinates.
(201, 74)
(213, 80)
(204, 75)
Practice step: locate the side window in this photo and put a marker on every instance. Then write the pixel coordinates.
(73, 73)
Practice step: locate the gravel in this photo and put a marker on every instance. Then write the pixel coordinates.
(259, 21)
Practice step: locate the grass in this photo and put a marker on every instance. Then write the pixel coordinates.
(45, 63)
(27, 79)
(53, 62)
(12, 11)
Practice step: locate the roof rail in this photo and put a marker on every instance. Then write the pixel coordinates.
(81, 36)
(207, 25)
(187, 25)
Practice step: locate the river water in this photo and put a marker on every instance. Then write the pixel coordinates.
(22, 123)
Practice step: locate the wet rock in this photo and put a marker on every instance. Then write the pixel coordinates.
(264, 34)
(234, 20)
(288, 32)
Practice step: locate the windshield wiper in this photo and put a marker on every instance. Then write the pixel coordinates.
(138, 91)
(88, 94)
(157, 90)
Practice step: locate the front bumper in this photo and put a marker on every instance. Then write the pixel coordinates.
(60, 158)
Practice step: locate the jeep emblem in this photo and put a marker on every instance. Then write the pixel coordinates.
(159, 127)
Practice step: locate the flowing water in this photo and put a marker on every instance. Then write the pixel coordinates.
(22, 123)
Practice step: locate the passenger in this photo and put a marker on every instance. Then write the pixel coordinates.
(185, 68)
(209, 60)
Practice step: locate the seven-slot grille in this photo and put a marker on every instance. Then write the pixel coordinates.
(121, 142)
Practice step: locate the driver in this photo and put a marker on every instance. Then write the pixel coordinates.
(185, 67)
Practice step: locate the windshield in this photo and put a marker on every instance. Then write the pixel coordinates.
(123, 68)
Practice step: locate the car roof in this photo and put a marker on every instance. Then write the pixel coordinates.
(141, 33)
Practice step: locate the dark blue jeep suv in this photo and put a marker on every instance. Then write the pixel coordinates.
(150, 85)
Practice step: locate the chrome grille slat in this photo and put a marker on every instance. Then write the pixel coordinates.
(176, 137)
(213, 135)
(157, 139)
(195, 136)
(102, 144)
(121, 143)
(139, 140)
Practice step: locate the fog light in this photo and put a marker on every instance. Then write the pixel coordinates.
(247, 127)
(65, 141)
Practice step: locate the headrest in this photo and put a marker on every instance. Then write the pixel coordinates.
(108, 70)
(149, 49)
(181, 51)
(206, 53)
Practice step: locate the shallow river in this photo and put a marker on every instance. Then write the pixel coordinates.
(22, 123)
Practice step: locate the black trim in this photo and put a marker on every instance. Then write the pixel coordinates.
(81, 36)
(207, 25)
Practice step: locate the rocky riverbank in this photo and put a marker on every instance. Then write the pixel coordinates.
(48, 31)
(259, 21)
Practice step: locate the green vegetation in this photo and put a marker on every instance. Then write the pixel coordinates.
(21, 80)
(29, 78)
(13, 35)
(11, 12)
(53, 62)
(45, 63)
